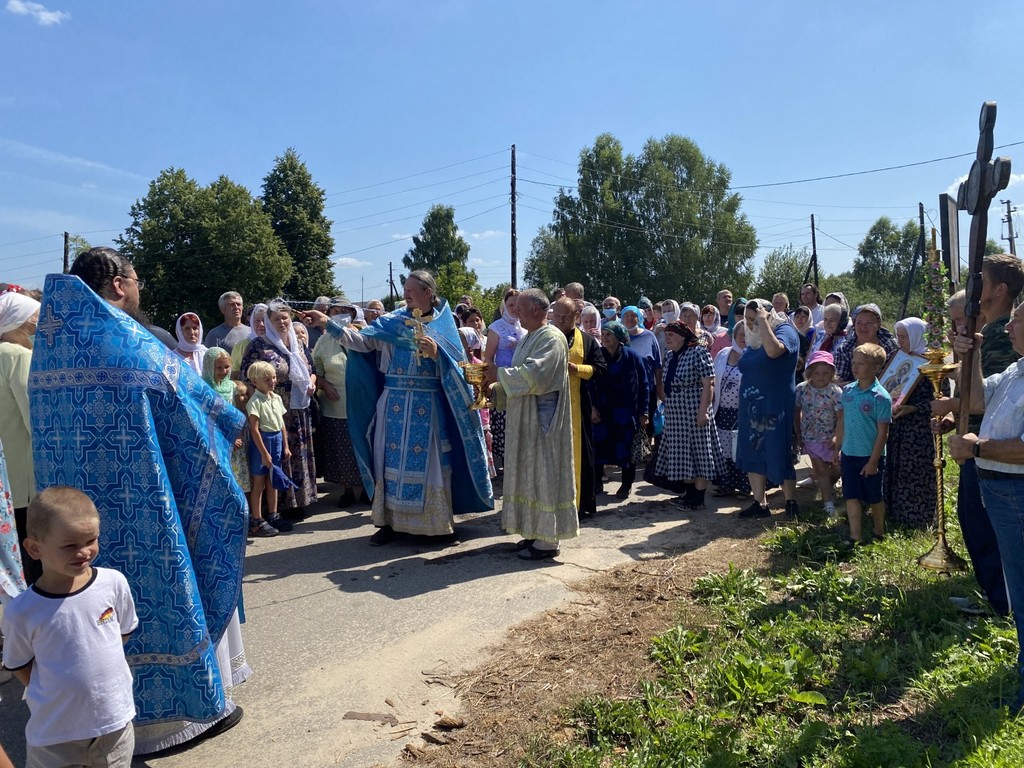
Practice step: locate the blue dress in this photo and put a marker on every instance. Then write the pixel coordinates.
(620, 396)
(767, 397)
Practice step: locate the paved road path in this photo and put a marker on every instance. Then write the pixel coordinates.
(336, 626)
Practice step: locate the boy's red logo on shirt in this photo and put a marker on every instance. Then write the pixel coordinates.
(106, 616)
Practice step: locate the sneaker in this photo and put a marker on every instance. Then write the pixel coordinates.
(792, 510)
(807, 482)
(968, 606)
(756, 510)
(261, 529)
(830, 510)
(279, 523)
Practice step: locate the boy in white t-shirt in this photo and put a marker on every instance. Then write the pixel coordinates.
(64, 636)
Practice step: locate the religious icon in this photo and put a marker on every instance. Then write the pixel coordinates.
(901, 376)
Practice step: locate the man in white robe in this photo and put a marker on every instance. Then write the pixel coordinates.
(539, 499)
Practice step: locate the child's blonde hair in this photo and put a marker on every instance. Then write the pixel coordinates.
(261, 370)
(872, 352)
(241, 391)
(54, 505)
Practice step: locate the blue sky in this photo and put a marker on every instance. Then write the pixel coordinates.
(399, 104)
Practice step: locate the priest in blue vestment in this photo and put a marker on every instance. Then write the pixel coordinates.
(419, 448)
(126, 421)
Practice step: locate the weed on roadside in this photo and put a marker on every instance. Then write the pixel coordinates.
(834, 658)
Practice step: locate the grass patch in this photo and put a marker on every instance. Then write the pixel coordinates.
(831, 658)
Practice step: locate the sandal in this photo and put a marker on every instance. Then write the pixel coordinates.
(530, 552)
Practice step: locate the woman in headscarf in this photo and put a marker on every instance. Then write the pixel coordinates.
(730, 481)
(473, 345)
(669, 314)
(867, 328)
(830, 336)
(689, 452)
(908, 479)
(503, 336)
(711, 321)
(620, 400)
(337, 458)
(18, 317)
(295, 384)
(189, 330)
(257, 329)
(801, 319)
(644, 345)
(590, 321)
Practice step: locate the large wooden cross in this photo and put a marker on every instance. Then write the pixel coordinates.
(975, 195)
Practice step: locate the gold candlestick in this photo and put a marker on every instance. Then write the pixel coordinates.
(474, 373)
(941, 557)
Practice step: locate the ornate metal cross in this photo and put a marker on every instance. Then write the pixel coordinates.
(975, 195)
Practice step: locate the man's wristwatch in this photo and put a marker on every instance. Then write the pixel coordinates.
(976, 450)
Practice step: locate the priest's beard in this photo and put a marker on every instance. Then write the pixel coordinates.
(754, 340)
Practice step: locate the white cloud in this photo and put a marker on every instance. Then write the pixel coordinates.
(487, 234)
(39, 12)
(28, 152)
(475, 262)
(347, 262)
(402, 237)
(1015, 178)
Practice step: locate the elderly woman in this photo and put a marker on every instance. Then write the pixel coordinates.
(337, 459)
(295, 384)
(18, 317)
(645, 345)
(867, 328)
(619, 411)
(711, 321)
(416, 440)
(767, 396)
(590, 321)
(503, 336)
(832, 333)
(908, 480)
(189, 330)
(689, 452)
(257, 329)
(730, 481)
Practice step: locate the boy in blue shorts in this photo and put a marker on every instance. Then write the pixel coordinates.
(865, 412)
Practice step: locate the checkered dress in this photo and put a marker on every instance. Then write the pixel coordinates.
(688, 451)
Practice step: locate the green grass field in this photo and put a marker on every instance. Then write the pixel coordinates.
(832, 657)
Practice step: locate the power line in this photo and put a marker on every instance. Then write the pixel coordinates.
(422, 202)
(420, 173)
(416, 189)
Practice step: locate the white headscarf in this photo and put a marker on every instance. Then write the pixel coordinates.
(672, 314)
(298, 367)
(715, 325)
(471, 336)
(916, 329)
(256, 309)
(193, 353)
(15, 310)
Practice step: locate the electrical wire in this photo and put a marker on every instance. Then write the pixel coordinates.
(420, 173)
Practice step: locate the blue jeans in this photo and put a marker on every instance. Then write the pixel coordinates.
(1004, 500)
(980, 539)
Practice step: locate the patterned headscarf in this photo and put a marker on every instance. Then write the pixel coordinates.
(618, 330)
(226, 388)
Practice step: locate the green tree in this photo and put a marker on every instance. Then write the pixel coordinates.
(76, 245)
(192, 243)
(781, 272)
(454, 279)
(663, 220)
(490, 299)
(885, 255)
(993, 247)
(438, 243)
(295, 205)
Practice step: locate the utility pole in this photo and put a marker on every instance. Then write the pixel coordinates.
(1009, 225)
(515, 268)
(919, 250)
(813, 264)
(391, 281)
(67, 252)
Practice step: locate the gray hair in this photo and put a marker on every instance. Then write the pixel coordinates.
(537, 298)
(426, 279)
(226, 297)
(833, 309)
(277, 306)
(958, 299)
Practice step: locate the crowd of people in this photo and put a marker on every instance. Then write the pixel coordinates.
(159, 456)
